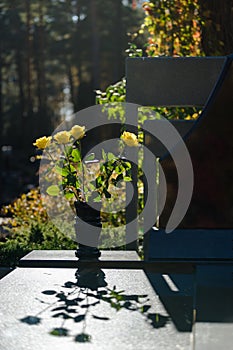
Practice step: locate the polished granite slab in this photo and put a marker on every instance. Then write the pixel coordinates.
(89, 308)
(104, 309)
(65, 255)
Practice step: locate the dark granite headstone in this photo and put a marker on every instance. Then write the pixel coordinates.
(210, 145)
(171, 81)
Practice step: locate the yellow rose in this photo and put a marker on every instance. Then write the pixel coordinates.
(129, 139)
(77, 132)
(195, 116)
(42, 142)
(62, 137)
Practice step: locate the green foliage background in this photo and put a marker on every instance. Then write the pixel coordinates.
(28, 228)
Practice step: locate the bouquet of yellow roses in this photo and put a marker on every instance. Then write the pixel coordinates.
(64, 153)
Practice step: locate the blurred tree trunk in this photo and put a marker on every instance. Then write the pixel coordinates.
(1, 96)
(95, 45)
(1, 77)
(42, 96)
(72, 90)
(217, 31)
(43, 123)
(20, 55)
(77, 53)
(78, 59)
(117, 72)
(79, 62)
(19, 65)
(29, 57)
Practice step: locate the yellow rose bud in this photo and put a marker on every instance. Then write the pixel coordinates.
(195, 116)
(42, 142)
(129, 139)
(77, 132)
(62, 137)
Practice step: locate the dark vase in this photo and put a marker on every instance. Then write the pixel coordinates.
(88, 227)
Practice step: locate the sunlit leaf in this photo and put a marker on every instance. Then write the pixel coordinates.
(104, 156)
(111, 156)
(97, 199)
(69, 195)
(76, 155)
(53, 190)
(127, 179)
(90, 156)
(61, 171)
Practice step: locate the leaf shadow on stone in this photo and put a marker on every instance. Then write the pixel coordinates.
(76, 302)
(31, 320)
(59, 332)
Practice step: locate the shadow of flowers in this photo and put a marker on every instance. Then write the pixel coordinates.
(89, 290)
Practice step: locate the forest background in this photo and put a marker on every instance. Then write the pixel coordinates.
(55, 54)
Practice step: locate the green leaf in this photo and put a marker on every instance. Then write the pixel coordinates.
(115, 305)
(90, 156)
(118, 169)
(76, 155)
(69, 195)
(92, 186)
(61, 171)
(111, 156)
(72, 168)
(77, 184)
(97, 199)
(127, 178)
(68, 150)
(99, 181)
(86, 189)
(104, 156)
(127, 165)
(53, 190)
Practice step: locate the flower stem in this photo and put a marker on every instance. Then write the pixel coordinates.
(82, 169)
